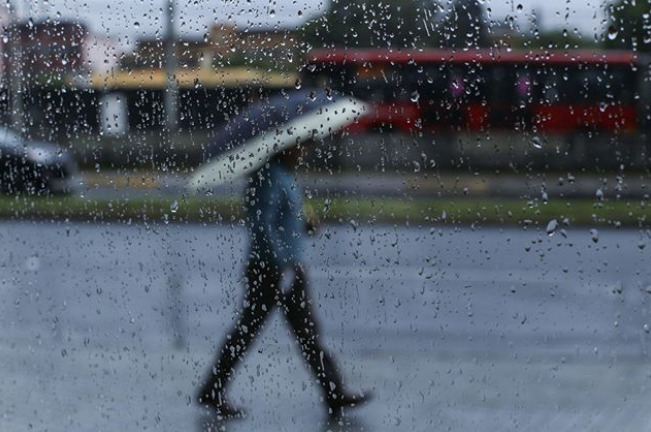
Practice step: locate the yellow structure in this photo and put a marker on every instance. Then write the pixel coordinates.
(152, 79)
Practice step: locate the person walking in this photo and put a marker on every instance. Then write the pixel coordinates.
(277, 229)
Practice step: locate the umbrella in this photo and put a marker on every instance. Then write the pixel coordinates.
(247, 141)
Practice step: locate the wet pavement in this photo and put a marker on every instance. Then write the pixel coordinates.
(110, 327)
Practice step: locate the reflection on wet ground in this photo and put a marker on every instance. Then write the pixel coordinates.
(109, 327)
(206, 422)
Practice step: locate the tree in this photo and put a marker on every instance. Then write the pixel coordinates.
(387, 23)
(629, 25)
(557, 39)
(465, 26)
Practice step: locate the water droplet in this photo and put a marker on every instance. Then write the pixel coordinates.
(519, 7)
(599, 194)
(32, 263)
(174, 207)
(618, 288)
(354, 224)
(646, 328)
(298, 84)
(551, 227)
(326, 205)
(603, 106)
(136, 24)
(272, 13)
(415, 96)
(594, 235)
(536, 142)
(612, 32)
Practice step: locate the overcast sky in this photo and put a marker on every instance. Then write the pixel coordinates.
(129, 19)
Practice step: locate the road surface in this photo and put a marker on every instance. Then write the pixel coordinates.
(110, 327)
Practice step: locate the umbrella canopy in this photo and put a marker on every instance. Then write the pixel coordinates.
(270, 126)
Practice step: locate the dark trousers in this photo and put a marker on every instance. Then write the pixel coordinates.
(263, 294)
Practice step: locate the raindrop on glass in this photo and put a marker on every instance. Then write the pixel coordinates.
(326, 205)
(612, 32)
(599, 194)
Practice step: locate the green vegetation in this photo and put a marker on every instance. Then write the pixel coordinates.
(422, 211)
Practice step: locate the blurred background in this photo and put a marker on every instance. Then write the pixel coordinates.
(460, 85)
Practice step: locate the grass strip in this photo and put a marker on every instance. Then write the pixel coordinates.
(417, 211)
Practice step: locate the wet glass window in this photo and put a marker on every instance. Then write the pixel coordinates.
(334, 216)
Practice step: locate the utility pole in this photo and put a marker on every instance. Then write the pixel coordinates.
(174, 285)
(171, 92)
(16, 71)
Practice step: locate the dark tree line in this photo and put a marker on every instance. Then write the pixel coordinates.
(459, 24)
(629, 25)
(399, 24)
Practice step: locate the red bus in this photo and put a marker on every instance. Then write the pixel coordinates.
(480, 90)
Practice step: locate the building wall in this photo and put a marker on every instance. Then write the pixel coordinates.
(223, 46)
(51, 50)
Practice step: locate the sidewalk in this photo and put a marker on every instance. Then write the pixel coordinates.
(442, 184)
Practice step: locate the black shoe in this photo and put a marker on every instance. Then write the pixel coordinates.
(337, 405)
